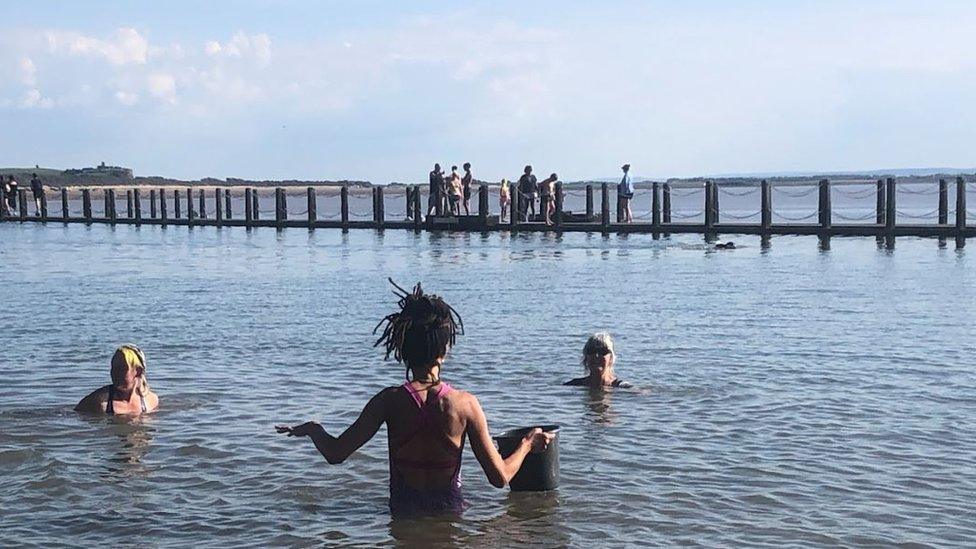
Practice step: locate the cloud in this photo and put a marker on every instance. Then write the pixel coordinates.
(28, 72)
(162, 86)
(254, 47)
(126, 98)
(33, 99)
(125, 46)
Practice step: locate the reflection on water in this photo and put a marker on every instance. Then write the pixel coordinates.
(598, 401)
(134, 436)
(527, 518)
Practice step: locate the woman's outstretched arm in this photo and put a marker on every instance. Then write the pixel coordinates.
(500, 470)
(336, 449)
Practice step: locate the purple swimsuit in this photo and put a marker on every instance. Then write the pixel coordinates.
(405, 499)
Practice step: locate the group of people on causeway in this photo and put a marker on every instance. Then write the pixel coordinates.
(8, 200)
(448, 194)
(427, 420)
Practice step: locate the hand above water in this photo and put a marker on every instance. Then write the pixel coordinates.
(305, 429)
(538, 439)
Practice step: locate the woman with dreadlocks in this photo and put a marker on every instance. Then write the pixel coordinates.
(427, 420)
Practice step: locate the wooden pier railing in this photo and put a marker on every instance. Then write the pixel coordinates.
(714, 220)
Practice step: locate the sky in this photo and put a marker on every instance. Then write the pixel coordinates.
(379, 91)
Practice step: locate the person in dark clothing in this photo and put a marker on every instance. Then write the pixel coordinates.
(37, 189)
(435, 190)
(466, 187)
(528, 193)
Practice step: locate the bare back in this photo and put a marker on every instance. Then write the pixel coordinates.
(426, 433)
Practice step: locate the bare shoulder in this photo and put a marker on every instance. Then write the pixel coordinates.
(152, 401)
(95, 402)
(463, 400)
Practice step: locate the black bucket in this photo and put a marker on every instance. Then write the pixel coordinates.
(539, 471)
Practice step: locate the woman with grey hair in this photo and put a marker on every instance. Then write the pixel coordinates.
(598, 361)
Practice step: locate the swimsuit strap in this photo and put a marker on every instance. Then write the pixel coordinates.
(110, 409)
(422, 422)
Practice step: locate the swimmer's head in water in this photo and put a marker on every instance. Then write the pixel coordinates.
(598, 353)
(421, 331)
(128, 365)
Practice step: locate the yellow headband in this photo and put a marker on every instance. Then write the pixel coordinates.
(133, 356)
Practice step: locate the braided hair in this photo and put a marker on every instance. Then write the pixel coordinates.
(422, 330)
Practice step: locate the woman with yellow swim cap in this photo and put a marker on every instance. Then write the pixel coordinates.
(129, 391)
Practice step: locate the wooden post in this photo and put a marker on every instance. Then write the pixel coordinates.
(218, 207)
(943, 202)
(559, 206)
(709, 202)
(344, 208)
(106, 207)
(716, 212)
(483, 205)
(111, 203)
(203, 204)
(64, 204)
(766, 206)
(514, 208)
(247, 207)
(189, 206)
(128, 204)
(408, 195)
(152, 203)
(227, 210)
(86, 205)
(137, 200)
(823, 204)
(666, 203)
(255, 205)
(960, 204)
(310, 197)
(589, 202)
(890, 204)
(879, 216)
(416, 210)
(372, 194)
(176, 203)
(281, 211)
(605, 207)
(162, 205)
(380, 208)
(43, 211)
(655, 207)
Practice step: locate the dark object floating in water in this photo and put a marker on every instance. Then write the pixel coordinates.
(539, 471)
(725, 245)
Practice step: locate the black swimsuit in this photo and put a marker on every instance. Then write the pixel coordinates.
(108, 406)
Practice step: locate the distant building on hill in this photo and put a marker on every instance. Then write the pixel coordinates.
(102, 170)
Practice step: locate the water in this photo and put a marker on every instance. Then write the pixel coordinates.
(787, 396)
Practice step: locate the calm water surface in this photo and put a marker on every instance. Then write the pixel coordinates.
(787, 396)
